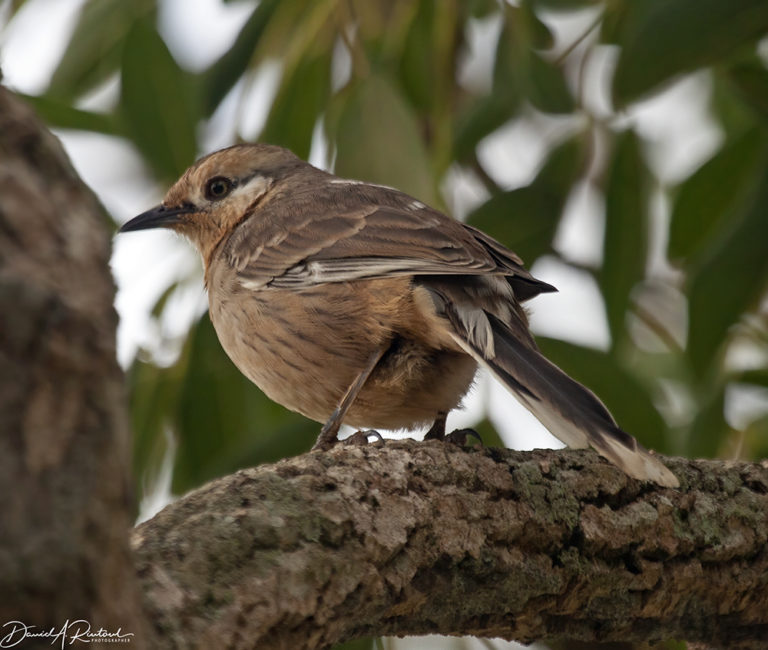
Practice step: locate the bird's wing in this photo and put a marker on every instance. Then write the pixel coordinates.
(372, 241)
(390, 241)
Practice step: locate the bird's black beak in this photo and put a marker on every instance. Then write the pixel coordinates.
(157, 217)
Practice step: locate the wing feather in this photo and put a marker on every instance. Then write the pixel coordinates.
(302, 241)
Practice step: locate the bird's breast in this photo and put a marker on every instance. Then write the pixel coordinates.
(304, 348)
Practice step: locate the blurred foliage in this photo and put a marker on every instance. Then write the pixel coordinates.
(403, 116)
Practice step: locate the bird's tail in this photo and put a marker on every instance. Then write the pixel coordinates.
(569, 410)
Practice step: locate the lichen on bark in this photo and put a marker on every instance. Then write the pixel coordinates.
(417, 538)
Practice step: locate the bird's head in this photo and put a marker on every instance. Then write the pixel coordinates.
(218, 192)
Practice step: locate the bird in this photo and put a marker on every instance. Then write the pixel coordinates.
(355, 303)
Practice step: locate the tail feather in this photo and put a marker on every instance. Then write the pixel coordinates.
(569, 410)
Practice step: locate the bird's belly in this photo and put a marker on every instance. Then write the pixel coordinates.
(304, 350)
(412, 385)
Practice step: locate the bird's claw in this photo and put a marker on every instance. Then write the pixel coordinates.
(459, 437)
(361, 437)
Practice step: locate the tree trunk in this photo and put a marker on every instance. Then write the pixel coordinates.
(64, 450)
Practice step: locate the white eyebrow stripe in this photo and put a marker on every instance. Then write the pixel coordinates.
(258, 183)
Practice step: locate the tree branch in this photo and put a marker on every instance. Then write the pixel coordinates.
(417, 538)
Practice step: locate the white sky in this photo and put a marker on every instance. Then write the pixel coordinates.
(197, 31)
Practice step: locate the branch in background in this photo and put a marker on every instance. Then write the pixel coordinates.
(418, 538)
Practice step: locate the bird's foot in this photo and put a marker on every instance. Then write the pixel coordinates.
(329, 437)
(361, 437)
(459, 437)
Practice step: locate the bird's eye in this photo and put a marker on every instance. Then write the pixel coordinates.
(217, 188)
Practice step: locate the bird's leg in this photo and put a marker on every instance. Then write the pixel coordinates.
(457, 437)
(329, 433)
(437, 430)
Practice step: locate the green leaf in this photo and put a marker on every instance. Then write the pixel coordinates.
(756, 439)
(757, 377)
(62, 115)
(15, 6)
(275, 30)
(218, 80)
(483, 115)
(300, 101)
(615, 16)
(706, 201)
(426, 66)
(733, 114)
(751, 82)
(526, 219)
(162, 301)
(95, 49)
(512, 50)
(378, 139)
(628, 399)
(223, 421)
(544, 82)
(427, 70)
(296, 28)
(488, 434)
(153, 394)
(662, 39)
(625, 245)
(158, 105)
(729, 280)
(519, 73)
(709, 429)
(548, 90)
(539, 34)
(479, 8)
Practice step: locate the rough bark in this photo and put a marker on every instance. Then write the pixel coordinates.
(64, 490)
(417, 538)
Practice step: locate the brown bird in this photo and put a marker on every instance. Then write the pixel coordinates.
(352, 302)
